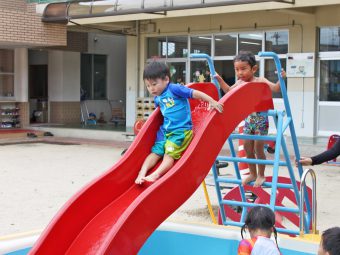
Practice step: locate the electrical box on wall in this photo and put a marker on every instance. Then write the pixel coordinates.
(300, 65)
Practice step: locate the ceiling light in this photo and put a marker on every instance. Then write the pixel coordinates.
(254, 43)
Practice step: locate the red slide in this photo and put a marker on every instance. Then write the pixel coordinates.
(113, 215)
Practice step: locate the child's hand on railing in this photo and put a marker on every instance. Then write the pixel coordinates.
(216, 105)
(283, 73)
(218, 77)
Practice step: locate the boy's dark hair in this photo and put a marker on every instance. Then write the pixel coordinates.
(246, 56)
(156, 70)
(260, 217)
(331, 240)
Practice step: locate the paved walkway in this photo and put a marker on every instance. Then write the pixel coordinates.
(39, 175)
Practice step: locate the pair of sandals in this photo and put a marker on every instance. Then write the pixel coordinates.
(31, 135)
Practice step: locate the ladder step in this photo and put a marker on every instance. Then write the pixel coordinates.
(246, 204)
(265, 184)
(286, 209)
(288, 231)
(275, 113)
(280, 230)
(251, 161)
(253, 137)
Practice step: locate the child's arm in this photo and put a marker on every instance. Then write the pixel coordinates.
(212, 103)
(275, 87)
(244, 247)
(224, 86)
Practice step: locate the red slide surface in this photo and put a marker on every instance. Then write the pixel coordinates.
(113, 215)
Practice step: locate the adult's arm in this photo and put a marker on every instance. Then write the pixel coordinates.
(327, 155)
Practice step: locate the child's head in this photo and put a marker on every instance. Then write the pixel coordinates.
(260, 219)
(156, 76)
(245, 66)
(330, 242)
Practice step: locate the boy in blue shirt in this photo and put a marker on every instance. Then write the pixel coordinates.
(175, 134)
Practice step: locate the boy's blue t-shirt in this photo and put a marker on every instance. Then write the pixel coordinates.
(175, 107)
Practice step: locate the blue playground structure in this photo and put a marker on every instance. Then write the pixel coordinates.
(283, 121)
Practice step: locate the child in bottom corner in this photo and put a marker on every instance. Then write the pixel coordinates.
(175, 134)
(260, 223)
(256, 123)
(330, 242)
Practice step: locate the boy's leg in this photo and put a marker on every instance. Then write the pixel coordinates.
(262, 126)
(150, 161)
(249, 149)
(259, 150)
(157, 152)
(175, 145)
(166, 164)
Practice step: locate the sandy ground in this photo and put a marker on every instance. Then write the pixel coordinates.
(37, 179)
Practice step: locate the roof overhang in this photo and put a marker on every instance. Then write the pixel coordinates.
(102, 11)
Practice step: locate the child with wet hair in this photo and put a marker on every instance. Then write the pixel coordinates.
(260, 223)
(175, 134)
(330, 242)
(257, 122)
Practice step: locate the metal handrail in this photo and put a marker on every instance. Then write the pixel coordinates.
(302, 199)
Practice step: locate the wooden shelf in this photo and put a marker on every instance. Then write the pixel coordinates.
(11, 118)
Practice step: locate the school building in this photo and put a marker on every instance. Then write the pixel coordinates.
(59, 59)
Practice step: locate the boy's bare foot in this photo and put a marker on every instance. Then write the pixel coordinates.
(249, 178)
(139, 179)
(259, 181)
(151, 178)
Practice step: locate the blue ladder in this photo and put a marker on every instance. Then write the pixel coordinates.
(283, 120)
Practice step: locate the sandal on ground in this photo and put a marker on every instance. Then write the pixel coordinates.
(32, 135)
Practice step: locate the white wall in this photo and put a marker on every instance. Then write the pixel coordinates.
(131, 80)
(21, 74)
(71, 81)
(63, 76)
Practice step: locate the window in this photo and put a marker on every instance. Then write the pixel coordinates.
(177, 72)
(156, 47)
(277, 42)
(271, 75)
(250, 42)
(225, 45)
(223, 48)
(329, 39)
(6, 73)
(168, 47)
(93, 76)
(225, 68)
(177, 47)
(330, 80)
(199, 71)
(201, 44)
